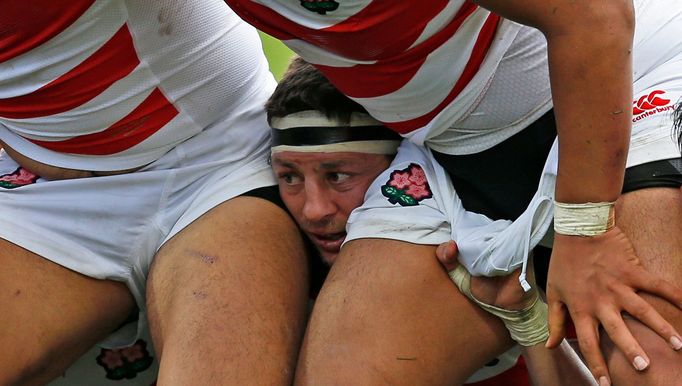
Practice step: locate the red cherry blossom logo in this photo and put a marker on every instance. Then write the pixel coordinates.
(19, 177)
(127, 362)
(407, 186)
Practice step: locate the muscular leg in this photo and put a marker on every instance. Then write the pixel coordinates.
(227, 298)
(51, 315)
(652, 219)
(389, 314)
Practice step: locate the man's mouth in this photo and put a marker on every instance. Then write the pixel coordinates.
(329, 242)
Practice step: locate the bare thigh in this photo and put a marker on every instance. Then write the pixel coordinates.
(389, 314)
(652, 219)
(51, 315)
(227, 298)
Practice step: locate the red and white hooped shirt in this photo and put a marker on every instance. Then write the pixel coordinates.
(115, 84)
(419, 67)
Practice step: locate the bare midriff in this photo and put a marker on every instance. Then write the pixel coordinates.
(50, 172)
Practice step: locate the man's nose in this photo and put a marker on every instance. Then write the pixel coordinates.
(319, 203)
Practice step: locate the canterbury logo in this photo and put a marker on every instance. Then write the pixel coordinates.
(649, 102)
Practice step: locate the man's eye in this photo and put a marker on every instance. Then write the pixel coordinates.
(338, 177)
(290, 178)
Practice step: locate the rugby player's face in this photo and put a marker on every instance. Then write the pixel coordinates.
(321, 189)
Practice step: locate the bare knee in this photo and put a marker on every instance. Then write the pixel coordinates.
(394, 318)
(227, 297)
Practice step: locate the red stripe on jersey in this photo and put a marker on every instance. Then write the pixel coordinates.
(387, 76)
(27, 24)
(111, 62)
(148, 118)
(483, 42)
(367, 35)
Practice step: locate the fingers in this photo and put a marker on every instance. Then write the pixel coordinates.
(447, 255)
(611, 320)
(557, 324)
(619, 333)
(588, 340)
(645, 313)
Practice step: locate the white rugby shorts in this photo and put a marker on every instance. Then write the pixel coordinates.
(111, 227)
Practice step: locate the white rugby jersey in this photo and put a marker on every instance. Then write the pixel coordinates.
(115, 84)
(422, 68)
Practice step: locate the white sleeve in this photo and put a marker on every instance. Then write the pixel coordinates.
(414, 201)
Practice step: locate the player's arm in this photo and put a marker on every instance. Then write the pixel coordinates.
(589, 49)
(590, 58)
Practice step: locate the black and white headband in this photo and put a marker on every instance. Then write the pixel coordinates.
(312, 131)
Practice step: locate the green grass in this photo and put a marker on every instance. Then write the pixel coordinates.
(277, 53)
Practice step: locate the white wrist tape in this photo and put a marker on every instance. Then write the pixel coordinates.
(589, 219)
(527, 326)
